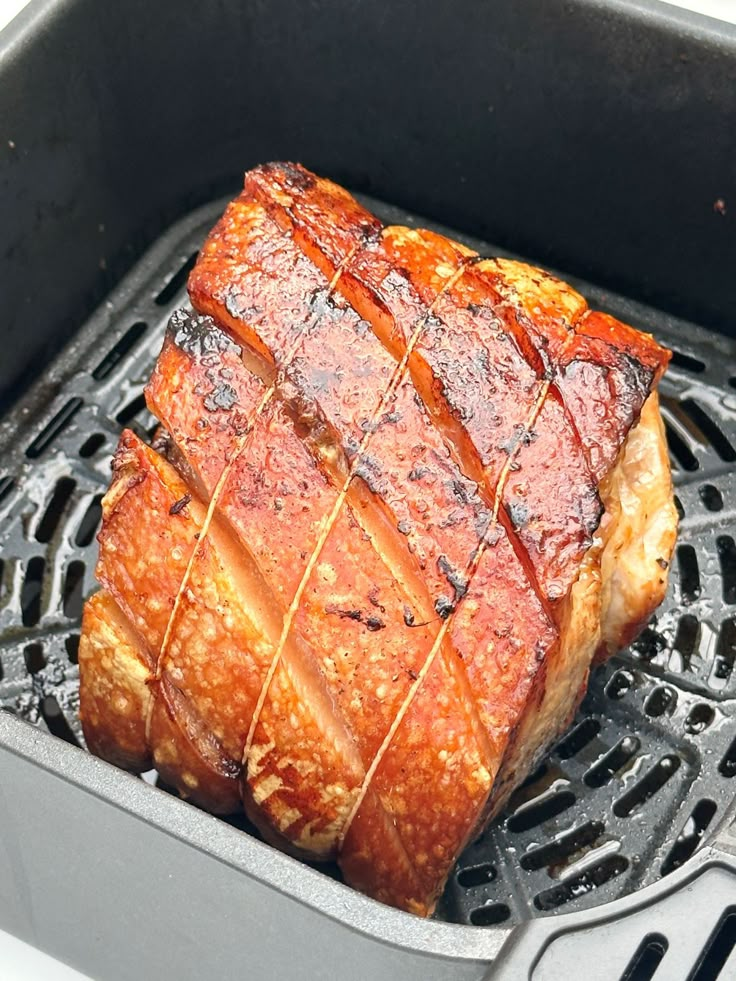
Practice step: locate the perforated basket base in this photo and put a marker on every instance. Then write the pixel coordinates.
(649, 765)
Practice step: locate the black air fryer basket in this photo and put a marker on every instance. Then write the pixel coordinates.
(598, 138)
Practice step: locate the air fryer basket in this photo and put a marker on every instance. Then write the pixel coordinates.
(646, 772)
(597, 136)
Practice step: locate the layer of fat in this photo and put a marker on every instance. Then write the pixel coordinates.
(114, 696)
(623, 579)
(640, 527)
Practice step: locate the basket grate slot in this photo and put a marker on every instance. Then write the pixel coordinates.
(55, 720)
(711, 497)
(578, 885)
(74, 590)
(619, 684)
(727, 560)
(542, 809)
(490, 914)
(691, 835)
(117, 353)
(649, 955)
(176, 282)
(662, 700)
(687, 362)
(71, 643)
(52, 516)
(560, 850)
(720, 946)
(92, 445)
(727, 766)
(578, 739)
(687, 566)
(30, 597)
(699, 718)
(681, 456)
(477, 875)
(90, 522)
(687, 638)
(53, 429)
(710, 431)
(613, 761)
(34, 657)
(648, 645)
(725, 654)
(129, 411)
(6, 486)
(647, 787)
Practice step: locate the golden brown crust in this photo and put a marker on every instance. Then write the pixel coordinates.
(238, 624)
(390, 603)
(354, 611)
(423, 494)
(113, 694)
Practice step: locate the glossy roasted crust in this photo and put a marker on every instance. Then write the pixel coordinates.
(333, 386)
(355, 605)
(390, 605)
(481, 373)
(406, 471)
(228, 617)
(493, 334)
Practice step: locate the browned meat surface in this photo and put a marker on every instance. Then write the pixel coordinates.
(408, 495)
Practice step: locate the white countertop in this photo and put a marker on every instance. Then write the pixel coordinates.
(21, 962)
(8, 10)
(721, 9)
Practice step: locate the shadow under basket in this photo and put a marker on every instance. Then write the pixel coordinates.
(625, 807)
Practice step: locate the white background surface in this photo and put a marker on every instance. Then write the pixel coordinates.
(724, 9)
(8, 9)
(18, 961)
